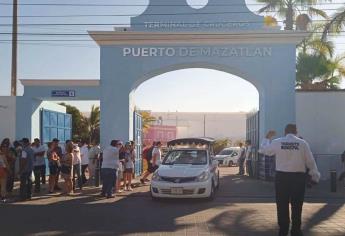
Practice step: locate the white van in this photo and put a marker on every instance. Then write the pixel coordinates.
(228, 156)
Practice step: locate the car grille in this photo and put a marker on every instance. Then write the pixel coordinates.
(178, 180)
(185, 191)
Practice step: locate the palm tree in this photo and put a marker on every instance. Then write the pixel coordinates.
(93, 123)
(317, 72)
(336, 24)
(148, 119)
(288, 9)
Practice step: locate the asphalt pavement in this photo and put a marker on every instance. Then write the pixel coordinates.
(242, 207)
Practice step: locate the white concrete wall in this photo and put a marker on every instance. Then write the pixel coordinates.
(217, 124)
(7, 117)
(321, 121)
(35, 119)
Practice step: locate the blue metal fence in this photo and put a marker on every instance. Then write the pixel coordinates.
(138, 131)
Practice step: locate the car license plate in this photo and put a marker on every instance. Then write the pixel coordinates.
(177, 191)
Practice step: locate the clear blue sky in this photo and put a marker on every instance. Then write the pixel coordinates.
(80, 60)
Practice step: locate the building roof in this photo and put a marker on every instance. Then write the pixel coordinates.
(60, 82)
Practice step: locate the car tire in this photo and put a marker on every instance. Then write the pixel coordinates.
(212, 193)
(231, 163)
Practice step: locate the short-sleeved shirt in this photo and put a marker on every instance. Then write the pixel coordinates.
(84, 152)
(76, 155)
(94, 152)
(28, 154)
(129, 163)
(40, 161)
(110, 158)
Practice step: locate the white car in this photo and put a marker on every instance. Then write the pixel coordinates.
(187, 171)
(228, 156)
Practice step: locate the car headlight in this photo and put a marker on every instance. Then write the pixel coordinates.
(204, 176)
(156, 177)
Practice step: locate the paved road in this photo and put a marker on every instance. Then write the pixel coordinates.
(243, 207)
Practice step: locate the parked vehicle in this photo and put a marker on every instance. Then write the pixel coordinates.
(228, 156)
(187, 171)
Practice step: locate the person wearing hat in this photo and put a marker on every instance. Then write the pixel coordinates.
(293, 158)
(27, 161)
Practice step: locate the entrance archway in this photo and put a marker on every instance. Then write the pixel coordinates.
(158, 42)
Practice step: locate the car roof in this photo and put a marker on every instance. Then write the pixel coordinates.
(197, 141)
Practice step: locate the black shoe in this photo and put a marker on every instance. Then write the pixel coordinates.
(142, 181)
(102, 195)
(110, 196)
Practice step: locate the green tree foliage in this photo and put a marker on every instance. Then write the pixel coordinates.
(147, 119)
(220, 144)
(317, 68)
(79, 129)
(288, 10)
(336, 24)
(93, 124)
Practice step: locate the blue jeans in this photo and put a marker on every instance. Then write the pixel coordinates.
(109, 180)
(25, 185)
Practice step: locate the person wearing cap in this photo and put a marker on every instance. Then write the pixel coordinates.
(293, 158)
(109, 168)
(39, 165)
(27, 161)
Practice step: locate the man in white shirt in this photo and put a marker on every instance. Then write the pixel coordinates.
(39, 164)
(293, 157)
(84, 154)
(110, 164)
(94, 153)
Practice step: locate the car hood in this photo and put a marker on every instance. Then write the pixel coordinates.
(181, 170)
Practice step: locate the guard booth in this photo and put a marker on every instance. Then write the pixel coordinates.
(138, 137)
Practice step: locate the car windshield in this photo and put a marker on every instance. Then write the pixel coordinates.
(193, 157)
(226, 152)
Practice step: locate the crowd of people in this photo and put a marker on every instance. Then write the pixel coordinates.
(25, 161)
(70, 161)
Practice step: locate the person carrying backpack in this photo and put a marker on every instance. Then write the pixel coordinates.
(147, 156)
